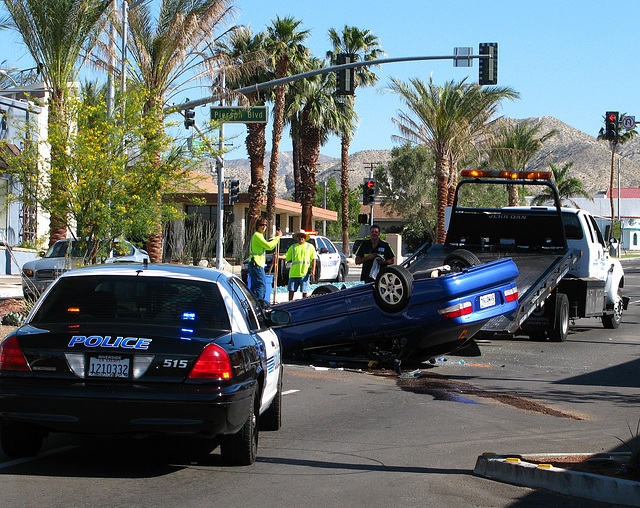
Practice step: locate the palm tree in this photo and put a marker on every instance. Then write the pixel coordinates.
(284, 44)
(513, 149)
(450, 120)
(365, 47)
(621, 139)
(164, 54)
(567, 187)
(247, 52)
(60, 35)
(320, 116)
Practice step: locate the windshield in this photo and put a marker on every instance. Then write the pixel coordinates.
(112, 299)
(60, 249)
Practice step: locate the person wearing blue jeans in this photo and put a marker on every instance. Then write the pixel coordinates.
(258, 258)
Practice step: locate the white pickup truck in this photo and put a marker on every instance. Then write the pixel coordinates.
(565, 270)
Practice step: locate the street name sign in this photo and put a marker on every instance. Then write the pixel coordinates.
(238, 114)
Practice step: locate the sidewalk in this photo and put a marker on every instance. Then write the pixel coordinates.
(10, 287)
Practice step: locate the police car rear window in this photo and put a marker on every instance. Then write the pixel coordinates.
(136, 300)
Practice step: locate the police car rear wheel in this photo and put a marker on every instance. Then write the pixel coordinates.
(241, 448)
(271, 419)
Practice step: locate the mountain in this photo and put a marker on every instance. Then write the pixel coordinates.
(591, 161)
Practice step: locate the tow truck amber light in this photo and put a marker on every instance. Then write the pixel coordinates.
(509, 175)
(11, 357)
(458, 310)
(213, 363)
(511, 295)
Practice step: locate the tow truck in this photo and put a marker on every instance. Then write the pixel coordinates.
(565, 269)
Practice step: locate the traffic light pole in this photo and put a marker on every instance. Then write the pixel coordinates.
(352, 65)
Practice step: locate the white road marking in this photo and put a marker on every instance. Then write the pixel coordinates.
(288, 392)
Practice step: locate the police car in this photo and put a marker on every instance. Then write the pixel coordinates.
(144, 349)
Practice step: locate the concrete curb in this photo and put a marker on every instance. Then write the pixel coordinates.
(516, 470)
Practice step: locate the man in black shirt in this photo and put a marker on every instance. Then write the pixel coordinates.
(374, 251)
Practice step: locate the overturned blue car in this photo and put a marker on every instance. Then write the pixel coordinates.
(403, 314)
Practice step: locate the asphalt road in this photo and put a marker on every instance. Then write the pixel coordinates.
(350, 438)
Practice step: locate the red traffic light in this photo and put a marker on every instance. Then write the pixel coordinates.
(613, 117)
(370, 183)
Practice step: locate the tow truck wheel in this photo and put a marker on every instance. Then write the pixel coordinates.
(561, 329)
(460, 259)
(612, 321)
(392, 288)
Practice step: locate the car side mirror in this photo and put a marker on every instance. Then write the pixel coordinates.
(324, 250)
(278, 317)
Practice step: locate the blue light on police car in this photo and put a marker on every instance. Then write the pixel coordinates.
(188, 316)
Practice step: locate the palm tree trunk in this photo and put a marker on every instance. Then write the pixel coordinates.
(255, 143)
(295, 144)
(58, 135)
(442, 179)
(309, 153)
(278, 119)
(344, 185)
(514, 197)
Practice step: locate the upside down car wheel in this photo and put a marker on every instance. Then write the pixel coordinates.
(392, 288)
(461, 258)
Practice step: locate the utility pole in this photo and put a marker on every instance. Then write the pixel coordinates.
(220, 167)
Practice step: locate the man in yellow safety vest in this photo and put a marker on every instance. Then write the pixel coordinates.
(258, 258)
(303, 258)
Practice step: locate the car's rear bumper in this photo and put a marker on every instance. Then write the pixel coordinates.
(105, 409)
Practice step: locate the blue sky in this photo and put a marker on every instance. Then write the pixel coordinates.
(572, 60)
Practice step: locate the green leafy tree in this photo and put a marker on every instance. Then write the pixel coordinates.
(450, 120)
(567, 186)
(60, 36)
(334, 202)
(407, 186)
(623, 137)
(106, 194)
(365, 47)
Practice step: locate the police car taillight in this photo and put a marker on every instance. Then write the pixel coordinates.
(461, 309)
(11, 357)
(213, 363)
(511, 295)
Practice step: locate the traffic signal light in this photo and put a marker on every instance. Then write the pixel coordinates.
(488, 74)
(368, 191)
(363, 218)
(611, 125)
(189, 118)
(234, 189)
(345, 77)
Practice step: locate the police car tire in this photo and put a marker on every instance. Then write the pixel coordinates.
(19, 442)
(324, 290)
(271, 419)
(341, 275)
(241, 448)
(392, 288)
(460, 259)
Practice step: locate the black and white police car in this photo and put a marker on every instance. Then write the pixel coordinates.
(143, 350)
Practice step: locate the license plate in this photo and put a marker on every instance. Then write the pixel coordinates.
(108, 366)
(488, 300)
